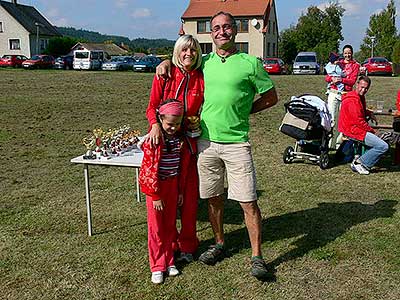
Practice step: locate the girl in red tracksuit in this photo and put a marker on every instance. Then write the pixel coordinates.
(187, 85)
(159, 179)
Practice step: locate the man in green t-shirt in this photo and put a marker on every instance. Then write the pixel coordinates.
(232, 79)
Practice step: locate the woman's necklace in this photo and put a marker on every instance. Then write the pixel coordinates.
(224, 57)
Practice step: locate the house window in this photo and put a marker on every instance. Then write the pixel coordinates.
(206, 47)
(268, 49)
(43, 44)
(203, 27)
(14, 44)
(243, 47)
(242, 25)
(273, 27)
(273, 49)
(269, 26)
(1, 26)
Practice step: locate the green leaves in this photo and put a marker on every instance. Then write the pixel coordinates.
(317, 30)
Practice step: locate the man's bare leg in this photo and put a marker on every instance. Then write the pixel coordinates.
(216, 216)
(252, 218)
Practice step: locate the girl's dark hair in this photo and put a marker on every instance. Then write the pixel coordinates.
(349, 47)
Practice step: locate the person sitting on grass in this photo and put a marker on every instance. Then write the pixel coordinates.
(159, 179)
(353, 124)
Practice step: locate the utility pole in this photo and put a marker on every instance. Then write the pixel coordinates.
(372, 45)
(37, 24)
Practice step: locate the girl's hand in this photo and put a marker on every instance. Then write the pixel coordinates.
(180, 200)
(158, 205)
(155, 135)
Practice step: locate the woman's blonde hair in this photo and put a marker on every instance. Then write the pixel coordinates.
(184, 42)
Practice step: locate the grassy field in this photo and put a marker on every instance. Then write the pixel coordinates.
(329, 234)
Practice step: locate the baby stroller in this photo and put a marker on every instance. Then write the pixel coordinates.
(308, 121)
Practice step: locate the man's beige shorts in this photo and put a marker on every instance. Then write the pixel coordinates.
(236, 159)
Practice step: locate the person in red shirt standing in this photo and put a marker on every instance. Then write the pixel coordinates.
(351, 69)
(159, 179)
(185, 84)
(353, 123)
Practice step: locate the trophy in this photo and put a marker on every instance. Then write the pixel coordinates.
(89, 143)
(98, 134)
(193, 127)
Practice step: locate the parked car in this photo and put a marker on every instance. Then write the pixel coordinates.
(306, 63)
(275, 66)
(12, 60)
(39, 62)
(64, 62)
(119, 63)
(146, 64)
(376, 66)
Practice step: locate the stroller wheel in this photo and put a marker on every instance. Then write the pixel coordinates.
(288, 155)
(324, 160)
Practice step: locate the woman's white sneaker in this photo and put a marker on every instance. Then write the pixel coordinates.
(157, 277)
(172, 271)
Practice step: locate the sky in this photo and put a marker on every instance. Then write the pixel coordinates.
(161, 18)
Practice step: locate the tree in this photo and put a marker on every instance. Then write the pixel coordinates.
(382, 32)
(396, 52)
(287, 44)
(60, 45)
(317, 30)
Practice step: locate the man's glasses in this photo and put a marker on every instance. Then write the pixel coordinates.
(224, 27)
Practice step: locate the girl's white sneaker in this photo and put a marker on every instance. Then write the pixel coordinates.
(157, 277)
(172, 271)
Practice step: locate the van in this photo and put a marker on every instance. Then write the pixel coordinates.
(88, 59)
(306, 63)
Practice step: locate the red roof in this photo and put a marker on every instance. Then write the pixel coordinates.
(207, 8)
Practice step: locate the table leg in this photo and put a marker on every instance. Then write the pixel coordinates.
(88, 207)
(137, 185)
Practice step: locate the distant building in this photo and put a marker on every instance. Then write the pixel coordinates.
(23, 30)
(256, 20)
(110, 49)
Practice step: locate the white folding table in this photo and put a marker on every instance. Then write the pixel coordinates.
(131, 159)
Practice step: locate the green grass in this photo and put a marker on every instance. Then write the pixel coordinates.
(329, 234)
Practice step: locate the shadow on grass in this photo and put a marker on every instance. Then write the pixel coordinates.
(314, 227)
(233, 215)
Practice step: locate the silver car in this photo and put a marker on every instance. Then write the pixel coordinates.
(119, 63)
(306, 63)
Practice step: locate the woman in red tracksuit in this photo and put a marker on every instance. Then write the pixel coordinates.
(351, 68)
(187, 85)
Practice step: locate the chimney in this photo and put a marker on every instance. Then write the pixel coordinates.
(14, 2)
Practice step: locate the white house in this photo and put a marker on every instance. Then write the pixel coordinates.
(256, 20)
(23, 30)
(110, 49)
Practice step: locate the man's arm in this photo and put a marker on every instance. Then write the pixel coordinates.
(267, 99)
